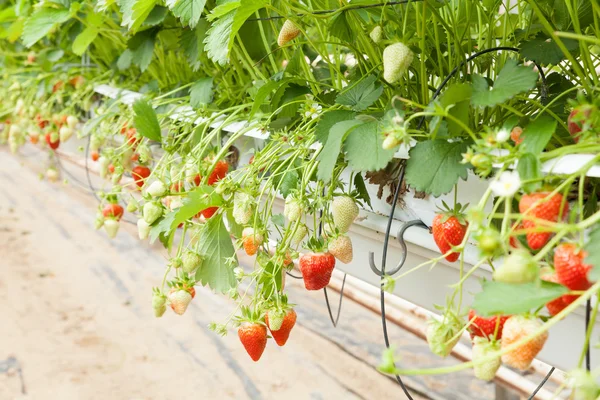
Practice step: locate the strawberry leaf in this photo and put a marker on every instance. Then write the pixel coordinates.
(201, 92)
(512, 80)
(218, 254)
(537, 134)
(84, 39)
(328, 120)
(189, 11)
(145, 120)
(41, 22)
(498, 298)
(364, 148)
(360, 95)
(361, 188)
(435, 166)
(331, 150)
(529, 169)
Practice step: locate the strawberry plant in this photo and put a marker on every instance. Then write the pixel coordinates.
(262, 129)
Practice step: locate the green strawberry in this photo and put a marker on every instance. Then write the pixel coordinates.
(191, 261)
(143, 229)
(299, 236)
(442, 335)
(376, 34)
(397, 58)
(482, 347)
(518, 267)
(159, 301)
(151, 212)
(344, 211)
(292, 209)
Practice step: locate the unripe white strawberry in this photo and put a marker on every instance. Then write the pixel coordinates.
(341, 248)
(159, 301)
(143, 229)
(19, 107)
(103, 166)
(145, 154)
(176, 172)
(482, 347)
(292, 209)
(180, 299)
(156, 189)
(390, 142)
(191, 261)
(376, 34)
(242, 208)
(288, 32)
(518, 267)
(72, 121)
(133, 205)
(13, 144)
(96, 142)
(52, 174)
(111, 226)
(14, 131)
(443, 335)
(151, 212)
(65, 133)
(99, 221)
(175, 202)
(397, 58)
(344, 211)
(276, 317)
(300, 234)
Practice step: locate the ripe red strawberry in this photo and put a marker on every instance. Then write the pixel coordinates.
(254, 338)
(516, 328)
(209, 212)
(139, 174)
(219, 172)
(557, 305)
(282, 334)
(94, 155)
(515, 135)
(288, 32)
(548, 208)
(486, 326)
(251, 241)
(571, 270)
(111, 168)
(316, 269)
(513, 240)
(449, 229)
(114, 211)
(578, 118)
(53, 140)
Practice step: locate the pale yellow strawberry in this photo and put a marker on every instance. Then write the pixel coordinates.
(288, 32)
(515, 329)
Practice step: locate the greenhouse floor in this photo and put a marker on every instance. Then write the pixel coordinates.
(77, 321)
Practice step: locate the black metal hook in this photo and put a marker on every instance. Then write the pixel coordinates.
(400, 237)
(337, 317)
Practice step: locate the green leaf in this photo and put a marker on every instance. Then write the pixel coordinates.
(360, 95)
(145, 120)
(593, 253)
(529, 168)
(41, 22)
(156, 16)
(537, 134)
(124, 61)
(361, 188)
(331, 150)
(340, 28)
(192, 43)
(163, 227)
(512, 80)
(289, 182)
(140, 11)
(434, 166)
(142, 47)
(84, 39)
(201, 92)
(364, 148)
(263, 92)
(197, 200)
(278, 219)
(218, 255)
(458, 96)
(545, 51)
(189, 11)
(498, 298)
(14, 31)
(328, 120)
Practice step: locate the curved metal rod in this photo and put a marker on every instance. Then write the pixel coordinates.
(292, 275)
(542, 383)
(337, 317)
(400, 237)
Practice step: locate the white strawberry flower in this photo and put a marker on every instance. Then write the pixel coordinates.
(313, 111)
(502, 135)
(507, 184)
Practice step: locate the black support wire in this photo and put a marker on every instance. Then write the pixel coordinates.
(335, 320)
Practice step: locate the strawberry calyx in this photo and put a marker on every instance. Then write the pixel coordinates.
(458, 212)
(250, 316)
(317, 245)
(183, 283)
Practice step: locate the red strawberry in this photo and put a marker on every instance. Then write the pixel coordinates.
(53, 140)
(486, 326)
(209, 212)
(547, 208)
(219, 172)
(557, 305)
(577, 120)
(282, 334)
(112, 211)
(449, 230)
(316, 269)
(254, 338)
(139, 174)
(513, 240)
(94, 155)
(570, 269)
(515, 135)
